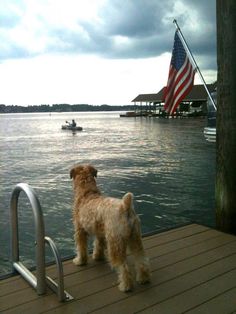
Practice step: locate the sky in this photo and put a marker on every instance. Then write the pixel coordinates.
(97, 51)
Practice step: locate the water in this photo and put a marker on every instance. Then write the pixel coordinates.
(167, 164)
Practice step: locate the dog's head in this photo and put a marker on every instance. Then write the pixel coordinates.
(83, 171)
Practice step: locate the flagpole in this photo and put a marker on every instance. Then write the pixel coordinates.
(194, 62)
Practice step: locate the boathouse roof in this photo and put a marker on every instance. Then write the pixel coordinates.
(198, 93)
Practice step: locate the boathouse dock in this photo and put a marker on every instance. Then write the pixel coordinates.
(193, 271)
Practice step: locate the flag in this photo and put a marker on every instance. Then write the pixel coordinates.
(181, 77)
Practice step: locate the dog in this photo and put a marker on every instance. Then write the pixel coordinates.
(114, 224)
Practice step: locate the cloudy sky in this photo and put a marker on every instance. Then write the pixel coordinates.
(97, 51)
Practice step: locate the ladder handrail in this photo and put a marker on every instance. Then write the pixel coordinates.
(39, 232)
(41, 280)
(57, 288)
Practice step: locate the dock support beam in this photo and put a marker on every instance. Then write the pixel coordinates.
(226, 117)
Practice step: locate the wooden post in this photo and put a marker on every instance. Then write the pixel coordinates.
(226, 117)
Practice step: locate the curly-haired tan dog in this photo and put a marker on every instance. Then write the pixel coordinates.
(114, 223)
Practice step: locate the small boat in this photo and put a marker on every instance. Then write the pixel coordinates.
(210, 130)
(71, 128)
(134, 114)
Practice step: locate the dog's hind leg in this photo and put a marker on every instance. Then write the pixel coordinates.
(141, 261)
(117, 257)
(124, 278)
(81, 247)
(99, 247)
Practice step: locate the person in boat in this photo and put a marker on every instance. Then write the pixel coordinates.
(72, 124)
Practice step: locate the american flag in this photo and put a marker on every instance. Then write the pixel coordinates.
(181, 77)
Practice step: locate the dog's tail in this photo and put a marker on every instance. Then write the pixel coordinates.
(128, 202)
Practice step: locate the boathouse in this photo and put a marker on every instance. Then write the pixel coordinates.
(194, 103)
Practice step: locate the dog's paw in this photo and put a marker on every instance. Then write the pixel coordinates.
(79, 262)
(143, 277)
(143, 272)
(125, 286)
(143, 280)
(98, 256)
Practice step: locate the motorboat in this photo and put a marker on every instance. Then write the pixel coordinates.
(210, 134)
(210, 130)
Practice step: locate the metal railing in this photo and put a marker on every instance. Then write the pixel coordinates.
(40, 281)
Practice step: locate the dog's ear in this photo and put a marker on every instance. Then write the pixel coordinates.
(74, 171)
(92, 170)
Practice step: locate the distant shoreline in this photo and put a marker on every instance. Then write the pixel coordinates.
(62, 108)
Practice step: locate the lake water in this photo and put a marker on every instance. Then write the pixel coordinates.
(167, 164)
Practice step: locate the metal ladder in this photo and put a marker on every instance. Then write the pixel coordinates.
(40, 281)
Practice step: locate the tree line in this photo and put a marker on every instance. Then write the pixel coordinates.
(62, 108)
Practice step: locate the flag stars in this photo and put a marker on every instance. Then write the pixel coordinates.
(178, 54)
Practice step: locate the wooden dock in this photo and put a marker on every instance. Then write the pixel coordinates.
(193, 271)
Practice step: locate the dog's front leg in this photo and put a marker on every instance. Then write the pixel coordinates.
(81, 247)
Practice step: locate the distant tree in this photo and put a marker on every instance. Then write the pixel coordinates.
(62, 108)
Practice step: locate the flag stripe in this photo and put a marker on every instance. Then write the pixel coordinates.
(180, 78)
(183, 83)
(184, 92)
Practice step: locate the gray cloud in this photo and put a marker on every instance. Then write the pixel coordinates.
(126, 29)
(147, 29)
(134, 18)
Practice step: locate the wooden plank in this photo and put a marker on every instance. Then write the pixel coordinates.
(223, 303)
(222, 246)
(196, 296)
(173, 258)
(186, 228)
(87, 273)
(176, 234)
(9, 286)
(174, 269)
(188, 240)
(86, 276)
(163, 291)
(97, 292)
(187, 244)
